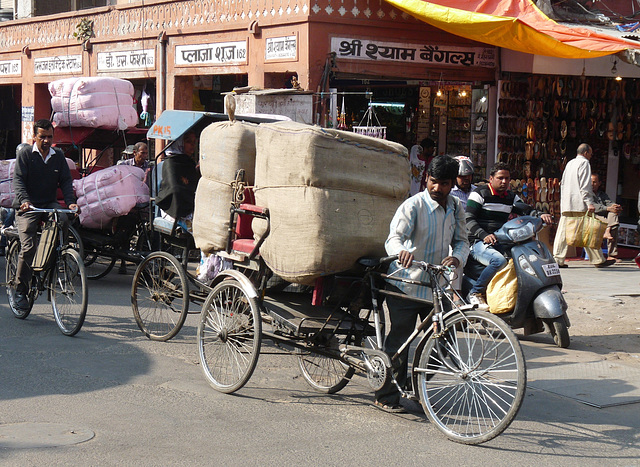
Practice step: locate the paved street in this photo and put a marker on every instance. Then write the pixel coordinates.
(138, 402)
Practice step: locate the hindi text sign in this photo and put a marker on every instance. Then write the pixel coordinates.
(58, 65)
(279, 48)
(10, 67)
(143, 59)
(364, 49)
(220, 53)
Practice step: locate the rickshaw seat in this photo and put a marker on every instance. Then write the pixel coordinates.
(243, 221)
(244, 241)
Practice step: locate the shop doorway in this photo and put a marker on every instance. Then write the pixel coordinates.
(10, 118)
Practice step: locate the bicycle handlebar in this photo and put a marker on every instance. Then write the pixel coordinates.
(53, 210)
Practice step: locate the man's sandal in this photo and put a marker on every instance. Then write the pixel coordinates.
(389, 408)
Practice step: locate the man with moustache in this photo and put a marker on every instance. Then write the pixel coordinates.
(423, 228)
(39, 171)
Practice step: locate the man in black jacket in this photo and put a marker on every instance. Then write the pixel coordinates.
(39, 171)
(488, 209)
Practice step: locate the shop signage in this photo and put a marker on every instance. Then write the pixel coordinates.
(58, 64)
(10, 67)
(278, 48)
(27, 113)
(363, 49)
(143, 59)
(220, 53)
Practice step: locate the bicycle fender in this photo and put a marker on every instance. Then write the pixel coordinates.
(248, 287)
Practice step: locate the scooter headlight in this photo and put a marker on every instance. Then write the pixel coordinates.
(522, 233)
(526, 266)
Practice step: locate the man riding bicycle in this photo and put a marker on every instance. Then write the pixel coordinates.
(39, 171)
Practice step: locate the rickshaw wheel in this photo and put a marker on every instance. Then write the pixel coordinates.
(324, 374)
(229, 336)
(97, 266)
(160, 296)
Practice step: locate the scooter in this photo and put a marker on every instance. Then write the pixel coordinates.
(540, 305)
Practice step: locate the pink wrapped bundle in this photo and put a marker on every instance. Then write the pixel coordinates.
(6, 187)
(65, 87)
(93, 102)
(90, 101)
(110, 193)
(122, 117)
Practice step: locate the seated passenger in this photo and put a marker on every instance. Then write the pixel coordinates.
(488, 209)
(180, 176)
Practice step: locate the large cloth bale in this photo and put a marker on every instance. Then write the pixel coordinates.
(110, 193)
(93, 102)
(331, 196)
(7, 194)
(225, 148)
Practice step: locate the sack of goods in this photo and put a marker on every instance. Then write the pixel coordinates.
(93, 102)
(6, 185)
(331, 195)
(110, 193)
(225, 148)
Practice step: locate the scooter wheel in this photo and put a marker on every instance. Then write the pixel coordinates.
(557, 327)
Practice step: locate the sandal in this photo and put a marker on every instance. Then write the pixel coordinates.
(389, 408)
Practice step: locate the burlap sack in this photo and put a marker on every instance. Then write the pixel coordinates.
(331, 196)
(225, 148)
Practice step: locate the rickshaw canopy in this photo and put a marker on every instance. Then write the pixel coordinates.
(174, 123)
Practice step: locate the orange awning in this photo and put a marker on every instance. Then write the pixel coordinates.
(514, 24)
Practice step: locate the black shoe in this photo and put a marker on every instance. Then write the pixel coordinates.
(563, 266)
(605, 263)
(21, 302)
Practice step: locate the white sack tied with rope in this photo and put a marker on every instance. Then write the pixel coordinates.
(93, 102)
(110, 193)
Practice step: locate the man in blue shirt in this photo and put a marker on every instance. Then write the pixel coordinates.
(423, 228)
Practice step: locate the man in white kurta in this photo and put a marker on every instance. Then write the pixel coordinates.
(576, 198)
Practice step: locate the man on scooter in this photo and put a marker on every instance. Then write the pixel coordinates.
(423, 227)
(488, 208)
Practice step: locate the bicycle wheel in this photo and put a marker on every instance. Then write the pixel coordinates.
(324, 374)
(229, 336)
(75, 241)
(160, 296)
(97, 266)
(472, 379)
(11, 270)
(69, 292)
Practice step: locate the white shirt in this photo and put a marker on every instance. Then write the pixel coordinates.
(47, 157)
(421, 223)
(575, 188)
(463, 196)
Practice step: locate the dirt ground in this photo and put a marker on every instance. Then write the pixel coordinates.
(609, 328)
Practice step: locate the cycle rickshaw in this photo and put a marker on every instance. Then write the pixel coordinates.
(468, 372)
(102, 248)
(165, 281)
